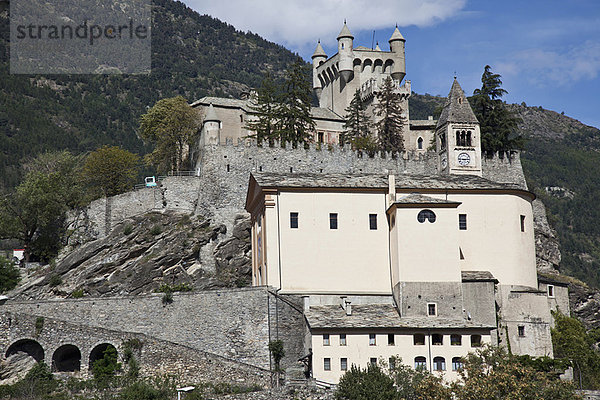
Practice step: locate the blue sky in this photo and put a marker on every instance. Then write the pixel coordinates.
(548, 52)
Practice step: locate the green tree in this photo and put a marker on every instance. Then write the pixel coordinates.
(105, 368)
(390, 124)
(263, 110)
(294, 121)
(9, 275)
(357, 123)
(170, 126)
(499, 125)
(35, 213)
(492, 374)
(371, 383)
(277, 352)
(110, 170)
(418, 384)
(572, 342)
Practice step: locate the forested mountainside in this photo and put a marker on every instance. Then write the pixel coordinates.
(561, 164)
(193, 55)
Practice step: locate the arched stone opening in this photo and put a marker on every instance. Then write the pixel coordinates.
(367, 64)
(98, 352)
(66, 358)
(29, 346)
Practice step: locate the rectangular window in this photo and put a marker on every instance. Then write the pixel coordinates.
(343, 339)
(320, 137)
(522, 223)
(343, 364)
(391, 339)
(372, 339)
(294, 220)
(462, 222)
(550, 290)
(325, 340)
(431, 309)
(521, 330)
(373, 222)
(333, 221)
(392, 363)
(373, 361)
(327, 364)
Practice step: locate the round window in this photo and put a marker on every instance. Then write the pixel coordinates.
(426, 215)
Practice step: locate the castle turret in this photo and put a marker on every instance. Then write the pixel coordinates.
(211, 129)
(345, 44)
(458, 135)
(318, 58)
(397, 42)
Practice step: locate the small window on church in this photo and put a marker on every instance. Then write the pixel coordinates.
(431, 309)
(426, 215)
(522, 223)
(320, 137)
(333, 221)
(458, 138)
(469, 138)
(443, 141)
(373, 222)
(462, 222)
(521, 330)
(294, 220)
(241, 118)
(550, 290)
(420, 143)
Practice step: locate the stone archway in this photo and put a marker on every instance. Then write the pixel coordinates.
(66, 358)
(29, 346)
(97, 352)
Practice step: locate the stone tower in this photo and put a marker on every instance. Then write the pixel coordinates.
(336, 79)
(458, 140)
(211, 129)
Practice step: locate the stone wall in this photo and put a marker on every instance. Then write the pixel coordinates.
(156, 357)
(234, 324)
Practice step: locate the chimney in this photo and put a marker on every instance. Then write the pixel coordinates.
(391, 188)
(306, 302)
(348, 308)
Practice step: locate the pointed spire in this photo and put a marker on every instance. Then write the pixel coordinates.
(211, 115)
(397, 35)
(319, 52)
(377, 48)
(345, 32)
(457, 108)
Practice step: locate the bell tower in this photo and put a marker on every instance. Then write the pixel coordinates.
(458, 136)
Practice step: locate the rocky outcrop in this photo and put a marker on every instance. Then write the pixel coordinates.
(15, 367)
(145, 252)
(585, 304)
(547, 248)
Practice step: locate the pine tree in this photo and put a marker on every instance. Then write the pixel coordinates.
(263, 109)
(389, 127)
(499, 125)
(294, 122)
(357, 122)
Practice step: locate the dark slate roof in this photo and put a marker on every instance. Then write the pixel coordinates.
(457, 108)
(369, 316)
(378, 181)
(423, 123)
(478, 276)
(555, 279)
(316, 112)
(415, 198)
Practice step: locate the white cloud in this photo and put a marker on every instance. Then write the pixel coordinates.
(298, 23)
(552, 68)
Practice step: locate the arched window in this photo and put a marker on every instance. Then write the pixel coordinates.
(456, 363)
(463, 138)
(426, 215)
(419, 339)
(468, 138)
(439, 364)
(420, 143)
(420, 363)
(455, 340)
(458, 138)
(475, 340)
(443, 141)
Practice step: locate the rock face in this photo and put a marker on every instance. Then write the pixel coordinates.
(144, 252)
(585, 304)
(547, 248)
(15, 367)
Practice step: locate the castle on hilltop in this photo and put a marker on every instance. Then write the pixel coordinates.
(335, 80)
(422, 256)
